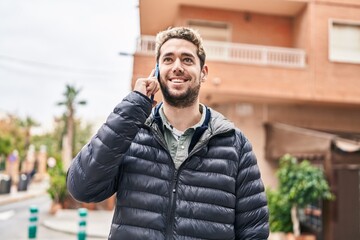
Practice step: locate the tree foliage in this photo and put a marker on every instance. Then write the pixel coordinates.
(5, 145)
(70, 101)
(57, 190)
(279, 211)
(302, 182)
(12, 135)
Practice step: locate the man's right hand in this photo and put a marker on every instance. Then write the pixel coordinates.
(147, 86)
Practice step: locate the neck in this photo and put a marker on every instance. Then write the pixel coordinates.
(182, 118)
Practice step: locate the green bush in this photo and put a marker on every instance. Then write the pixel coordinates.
(58, 190)
(279, 211)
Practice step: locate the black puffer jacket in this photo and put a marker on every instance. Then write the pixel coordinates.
(216, 193)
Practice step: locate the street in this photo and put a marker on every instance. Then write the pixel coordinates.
(14, 221)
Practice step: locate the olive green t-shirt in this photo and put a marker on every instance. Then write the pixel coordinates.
(178, 142)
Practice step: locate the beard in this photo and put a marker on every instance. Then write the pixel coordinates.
(183, 100)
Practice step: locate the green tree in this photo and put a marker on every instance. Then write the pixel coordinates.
(27, 124)
(12, 136)
(5, 145)
(70, 102)
(15, 134)
(301, 184)
(5, 149)
(52, 141)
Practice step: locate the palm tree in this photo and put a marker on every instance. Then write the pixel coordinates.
(70, 102)
(27, 124)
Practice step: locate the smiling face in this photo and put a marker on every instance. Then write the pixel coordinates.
(180, 73)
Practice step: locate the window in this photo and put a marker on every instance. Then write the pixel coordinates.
(211, 30)
(344, 41)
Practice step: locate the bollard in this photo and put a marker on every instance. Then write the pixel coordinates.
(82, 223)
(33, 222)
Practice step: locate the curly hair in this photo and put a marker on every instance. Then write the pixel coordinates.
(185, 33)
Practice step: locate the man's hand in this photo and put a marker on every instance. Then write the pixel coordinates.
(147, 86)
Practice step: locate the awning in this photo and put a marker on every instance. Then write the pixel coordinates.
(305, 143)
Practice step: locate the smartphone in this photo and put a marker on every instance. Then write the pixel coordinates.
(157, 75)
(157, 71)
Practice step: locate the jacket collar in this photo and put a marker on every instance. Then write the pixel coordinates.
(215, 123)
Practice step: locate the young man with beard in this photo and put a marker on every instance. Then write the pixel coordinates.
(179, 170)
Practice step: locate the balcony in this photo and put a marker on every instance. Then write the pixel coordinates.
(239, 53)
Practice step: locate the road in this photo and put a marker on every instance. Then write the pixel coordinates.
(14, 221)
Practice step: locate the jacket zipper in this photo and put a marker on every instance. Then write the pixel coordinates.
(172, 201)
(173, 196)
(171, 211)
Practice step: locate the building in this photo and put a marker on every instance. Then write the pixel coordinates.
(288, 74)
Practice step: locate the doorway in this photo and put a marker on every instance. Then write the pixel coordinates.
(347, 207)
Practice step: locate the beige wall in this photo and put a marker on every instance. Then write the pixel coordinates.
(333, 81)
(336, 119)
(258, 29)
(302, 30)
(259, 81)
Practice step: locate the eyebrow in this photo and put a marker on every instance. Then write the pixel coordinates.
(184, 54)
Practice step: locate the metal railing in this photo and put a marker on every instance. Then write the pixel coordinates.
(239, 53)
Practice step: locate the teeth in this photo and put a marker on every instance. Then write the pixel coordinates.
(177, 81)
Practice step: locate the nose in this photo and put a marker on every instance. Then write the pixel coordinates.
(177, 67)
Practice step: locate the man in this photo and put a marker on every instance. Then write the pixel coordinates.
(180, 171)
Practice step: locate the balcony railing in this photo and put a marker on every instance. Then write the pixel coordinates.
(239, 53)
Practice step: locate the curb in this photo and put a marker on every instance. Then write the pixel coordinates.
(67, 221)
(7, 199)
(59, 227)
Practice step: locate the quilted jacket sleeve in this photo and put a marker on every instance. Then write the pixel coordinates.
(252, 216)
(93, 173)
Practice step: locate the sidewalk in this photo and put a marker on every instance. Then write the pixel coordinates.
(35, 189)
(65, 220)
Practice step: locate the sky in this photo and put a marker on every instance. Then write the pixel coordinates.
(46, 44)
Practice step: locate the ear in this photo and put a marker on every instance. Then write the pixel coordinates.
(204, 73)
